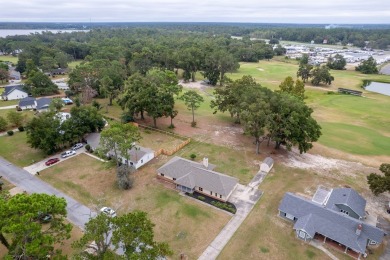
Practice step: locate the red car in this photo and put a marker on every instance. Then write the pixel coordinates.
(52, 161)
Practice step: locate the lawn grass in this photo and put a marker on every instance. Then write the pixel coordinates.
(263, 234)
(236, 163)
(179, 220)
(16, 150)
(74, 64)
(156, 140)
(13, 59)
(6, 103)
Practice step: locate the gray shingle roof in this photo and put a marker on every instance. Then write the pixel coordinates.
(195, 174)
(9, 89)
(43, 103)
(27, 101)
(138, 151)
(329, 223)
(349, 197)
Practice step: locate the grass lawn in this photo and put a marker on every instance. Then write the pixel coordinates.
(156, 140)
(264, 235)
(180, 221)
(10, 58)
(16, 150)
(73, 64)
(7, 103)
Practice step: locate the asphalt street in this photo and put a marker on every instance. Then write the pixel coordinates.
(78, 214)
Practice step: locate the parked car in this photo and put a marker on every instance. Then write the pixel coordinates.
(52, 161)
(77, 146)
(68, 153)
(108, 211)
(67, 101)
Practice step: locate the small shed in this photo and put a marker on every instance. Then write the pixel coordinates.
(267, 165)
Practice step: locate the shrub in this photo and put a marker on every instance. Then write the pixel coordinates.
(201, 198)
(193, 124)
(171, 126)
(3, 124)
(10, 132)
(21, 128)
(88, 147)
(124, 181)
(192, 156)
(264, 249)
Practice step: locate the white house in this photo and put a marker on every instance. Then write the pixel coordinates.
(40, 105)
(267, 165)
(14, 92)
(139, 156)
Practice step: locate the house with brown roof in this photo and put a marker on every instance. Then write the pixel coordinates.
(189, 176)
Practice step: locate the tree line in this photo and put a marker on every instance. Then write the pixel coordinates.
(280, 116)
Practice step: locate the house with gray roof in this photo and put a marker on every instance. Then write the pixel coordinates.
(40, 105)
(139, 155)
(326, 221)
(189, 176)
(13, 92)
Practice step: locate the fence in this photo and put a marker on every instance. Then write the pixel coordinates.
(172, 151)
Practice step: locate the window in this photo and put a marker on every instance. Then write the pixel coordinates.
(174, 179)
(162, 174)
(216, 195)
(289, 216)
(211, 193)
(220, 196)
(200, 188)
(142, 161)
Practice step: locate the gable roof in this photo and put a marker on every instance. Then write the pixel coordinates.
(348, 197)
(137, 152)
(313, 218)
(43, 103)
(9, 89)
(27, 101)
(191, 174)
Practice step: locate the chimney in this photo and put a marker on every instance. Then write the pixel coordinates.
(359, 229)
(205, 162)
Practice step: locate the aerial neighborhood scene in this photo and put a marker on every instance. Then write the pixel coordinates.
(208, 130)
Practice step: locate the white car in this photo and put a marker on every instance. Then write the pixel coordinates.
(68, 153)
(77, 146)
(108, 211)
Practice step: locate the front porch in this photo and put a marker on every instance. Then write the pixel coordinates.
(336, 245)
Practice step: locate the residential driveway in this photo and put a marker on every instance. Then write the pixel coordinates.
(245, 198)
(8, 107)
(40, 166)
(78, 214)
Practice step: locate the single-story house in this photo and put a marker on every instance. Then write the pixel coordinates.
(14, 75)
(58, 71)
(330, 217)
(139, 155)
(267, 165)
(61, 84)
(40, 105)
(27, 103)
(189, 176)
(13, 92)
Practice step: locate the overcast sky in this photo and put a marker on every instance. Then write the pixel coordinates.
(254, 11)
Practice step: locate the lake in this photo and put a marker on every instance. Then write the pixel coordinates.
(377, 87)
(5, 33)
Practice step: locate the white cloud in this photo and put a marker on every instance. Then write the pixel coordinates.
(282, 11)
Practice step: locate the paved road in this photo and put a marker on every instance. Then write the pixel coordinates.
(245, 198)
(78, 214)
